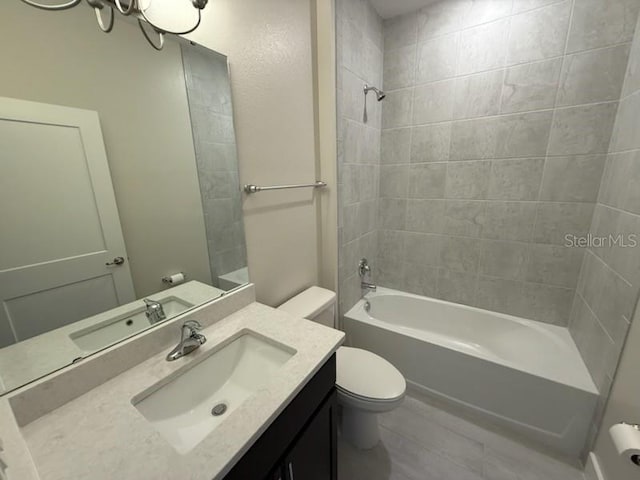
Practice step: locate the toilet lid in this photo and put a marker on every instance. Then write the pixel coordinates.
(368, 375)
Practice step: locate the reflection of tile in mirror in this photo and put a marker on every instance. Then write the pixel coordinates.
(209, 96)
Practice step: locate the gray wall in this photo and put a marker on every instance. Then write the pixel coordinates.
(610, 278)
(211, 111)
(359, 61)
(494, 139)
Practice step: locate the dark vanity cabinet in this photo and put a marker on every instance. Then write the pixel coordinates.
(301, 444)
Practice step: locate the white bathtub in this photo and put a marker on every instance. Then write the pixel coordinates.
(526, 375)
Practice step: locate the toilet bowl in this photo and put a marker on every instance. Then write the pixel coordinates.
(366, 383)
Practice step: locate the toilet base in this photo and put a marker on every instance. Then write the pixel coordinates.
(360, 428)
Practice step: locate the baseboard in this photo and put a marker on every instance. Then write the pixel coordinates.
(593, 470)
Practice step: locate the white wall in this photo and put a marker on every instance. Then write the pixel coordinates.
(270, 45)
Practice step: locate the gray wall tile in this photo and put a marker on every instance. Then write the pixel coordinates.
(359, 58)
(572, 179)
(499, 295)
(420, 279)
(621, 183)
(483, 47)
(423, 249)
(461, 254)
(632, 79)
(516, 179)
(426, 216)
(396, 108)
(471, 131)
(554, 265)
(509, 221)
(427, 180)
(523, 135)
(599, 24)
(547, 303)
(393, 212)
(396, 146)
(468, 180)
(626, 134)
(539, 34)
(436, 58)
(520, 6)
(585, 129)
(394, 181)
(464, 217)
(442, 18)
(399, 67)
(478, 95)
(556, 221)
(504, 259)
(531, 86)
(400, 31)
(474, 139)
(459, 287)
(485, 11)
(593, 76)
(433, 102)
(430, 143)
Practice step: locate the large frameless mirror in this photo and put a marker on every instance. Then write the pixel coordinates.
(119, 192)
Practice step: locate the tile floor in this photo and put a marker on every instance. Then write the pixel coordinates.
(423, 442)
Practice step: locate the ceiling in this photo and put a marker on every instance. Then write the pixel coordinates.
(391, 8)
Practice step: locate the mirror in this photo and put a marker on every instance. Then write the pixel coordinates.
(119, 191)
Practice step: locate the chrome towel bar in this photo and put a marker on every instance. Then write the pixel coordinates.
(256, 188)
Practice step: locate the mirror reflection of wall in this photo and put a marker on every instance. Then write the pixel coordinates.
(100, 163)
(215, 150)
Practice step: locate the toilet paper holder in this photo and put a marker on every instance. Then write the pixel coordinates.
(635, 459)
(174, 279)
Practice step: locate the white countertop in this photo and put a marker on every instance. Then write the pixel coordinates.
(101, 435)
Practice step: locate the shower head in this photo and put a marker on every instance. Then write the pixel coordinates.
(379, 93)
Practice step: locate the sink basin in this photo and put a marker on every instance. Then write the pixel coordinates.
(123, 325)
(188, 405)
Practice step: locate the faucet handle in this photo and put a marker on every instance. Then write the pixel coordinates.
(363, 268)
(193, 324)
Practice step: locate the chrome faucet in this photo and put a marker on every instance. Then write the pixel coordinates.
(370, 287)
(190, 340)
(363, 270)
(155, 312)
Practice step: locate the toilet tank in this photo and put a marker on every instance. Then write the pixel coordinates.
(315, 303)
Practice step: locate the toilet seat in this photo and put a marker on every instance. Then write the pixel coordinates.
(366, 380)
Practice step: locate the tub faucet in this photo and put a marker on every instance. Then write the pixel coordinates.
(190, 340)
(370, 287)
(155, 312)
(363, 270)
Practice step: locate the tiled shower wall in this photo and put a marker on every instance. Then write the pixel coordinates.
(210, 108)
(359, 61)
(610, 278)
(495, 132)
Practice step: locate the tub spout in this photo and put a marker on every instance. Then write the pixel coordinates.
(368, 286)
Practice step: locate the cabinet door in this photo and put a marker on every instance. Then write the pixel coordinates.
(313, 456)
(277, 474)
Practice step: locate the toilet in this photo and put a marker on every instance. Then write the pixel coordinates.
(367, 384)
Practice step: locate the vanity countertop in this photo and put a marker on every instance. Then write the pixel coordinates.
(101, 435)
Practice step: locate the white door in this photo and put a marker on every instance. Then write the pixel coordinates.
(59, 225)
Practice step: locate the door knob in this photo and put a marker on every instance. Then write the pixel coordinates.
(116, 261)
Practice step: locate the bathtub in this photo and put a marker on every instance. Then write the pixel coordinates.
(526, 376)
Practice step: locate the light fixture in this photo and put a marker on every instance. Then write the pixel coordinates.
(177, 17)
